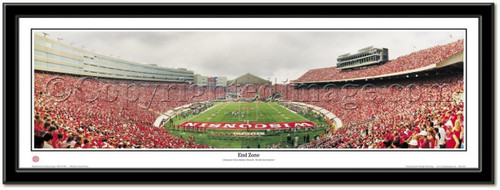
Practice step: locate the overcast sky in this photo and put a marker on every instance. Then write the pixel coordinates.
(275, 54)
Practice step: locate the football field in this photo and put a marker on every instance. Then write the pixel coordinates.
(251, 112)
(247, 113)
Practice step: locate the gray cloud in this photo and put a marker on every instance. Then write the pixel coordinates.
(280, 54)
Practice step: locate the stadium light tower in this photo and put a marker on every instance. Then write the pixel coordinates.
(59, 39)
(45, 34)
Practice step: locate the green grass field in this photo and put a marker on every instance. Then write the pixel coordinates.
(271, 113)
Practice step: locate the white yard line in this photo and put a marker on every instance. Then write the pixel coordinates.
(293, 112)
(256, 108)
(282, 115)
(203, 112)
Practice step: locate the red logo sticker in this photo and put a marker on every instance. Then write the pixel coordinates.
(35, 159)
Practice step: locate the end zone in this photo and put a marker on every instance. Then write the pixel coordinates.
(248, 126)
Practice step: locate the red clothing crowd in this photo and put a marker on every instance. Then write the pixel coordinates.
(424, 113)
(412, 61)
(79, 112)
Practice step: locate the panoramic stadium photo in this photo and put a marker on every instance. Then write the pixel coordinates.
(237, 89)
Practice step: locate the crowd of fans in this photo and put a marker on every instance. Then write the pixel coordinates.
(412, 61)
(425, 113)
(76, 112)
(81, 112)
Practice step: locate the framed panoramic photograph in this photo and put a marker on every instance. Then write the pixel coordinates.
(251, 93)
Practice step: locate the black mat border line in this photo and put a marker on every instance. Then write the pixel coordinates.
(240, 150)
(12, 12)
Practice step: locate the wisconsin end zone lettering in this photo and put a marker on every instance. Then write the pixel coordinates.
(249, 126)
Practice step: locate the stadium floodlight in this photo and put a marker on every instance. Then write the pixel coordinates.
(59, 39)
(45, 34)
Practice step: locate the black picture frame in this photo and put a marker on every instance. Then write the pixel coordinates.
(14, 175)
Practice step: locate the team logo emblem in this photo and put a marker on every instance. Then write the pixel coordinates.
(36, 158)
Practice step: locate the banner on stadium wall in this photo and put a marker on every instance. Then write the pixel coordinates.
(247, 126)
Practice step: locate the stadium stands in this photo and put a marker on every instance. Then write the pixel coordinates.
(105, 113)
(425, 112)
(414, 60)
(417, 112)
(391, 112)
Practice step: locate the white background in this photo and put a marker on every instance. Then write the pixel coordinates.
(378, 187)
